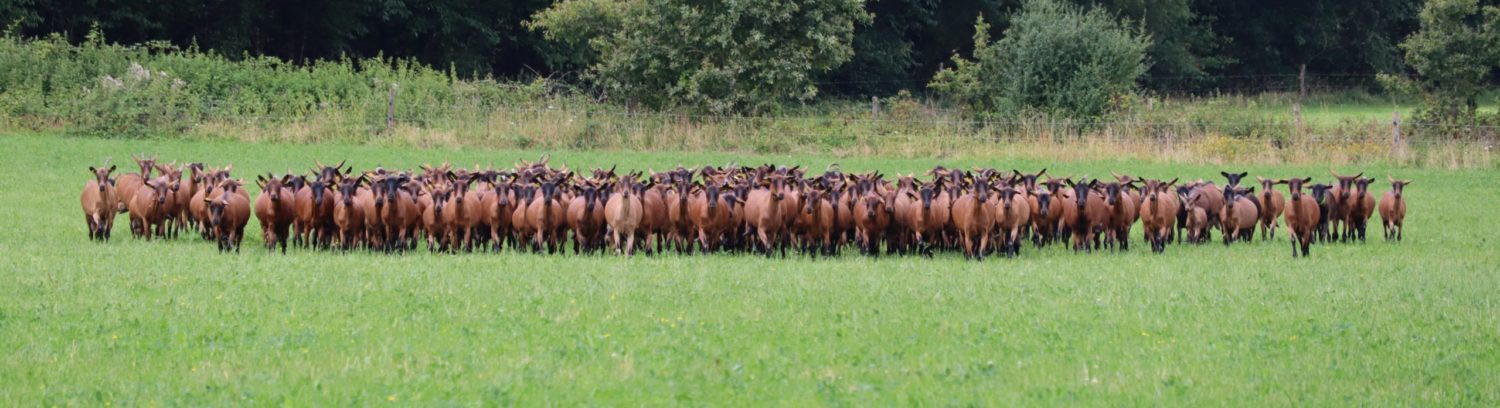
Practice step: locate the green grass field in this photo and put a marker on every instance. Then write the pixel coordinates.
(175, 323)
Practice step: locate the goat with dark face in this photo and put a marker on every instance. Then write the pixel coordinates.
(546, 216)
(313, 225)
(99, 203)
(1012, 218)
(1234, 178)
(1325, 200)
(871, 219)
(1340, 204)
(586, 217)
(434, 220)
(1302, 216)
(1362, 205)
(1123, 213)
(1093, 215)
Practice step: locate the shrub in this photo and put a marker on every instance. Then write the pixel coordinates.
(716, 56)
(1055, 59)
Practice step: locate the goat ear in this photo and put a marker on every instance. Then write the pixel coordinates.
(111, 169)
(1405, 182)
(1174, 181)
(1244, 173)
(1307, 179)
(1225, 174)
(91, 170)
(1040, 173)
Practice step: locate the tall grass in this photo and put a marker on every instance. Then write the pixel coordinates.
(157, 91)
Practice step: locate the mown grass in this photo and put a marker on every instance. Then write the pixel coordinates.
(174, 323)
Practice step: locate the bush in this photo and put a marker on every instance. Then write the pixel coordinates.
(716, 56)
(1454, 56)
(1054, 59)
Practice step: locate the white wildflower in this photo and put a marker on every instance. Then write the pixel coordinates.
(110, 82)
(139, 73)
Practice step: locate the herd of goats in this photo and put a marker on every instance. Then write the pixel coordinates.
(765, 209)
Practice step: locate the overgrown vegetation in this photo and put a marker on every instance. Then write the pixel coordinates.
(108, 90)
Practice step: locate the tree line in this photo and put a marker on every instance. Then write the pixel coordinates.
(751, 55)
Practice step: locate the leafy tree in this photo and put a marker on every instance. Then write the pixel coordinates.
(1329, 36)
(886, 56)
(1184, 49)
(1455, 54)
(1055, 58)
(721, 56)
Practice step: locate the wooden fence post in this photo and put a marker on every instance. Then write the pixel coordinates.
(1301, 83)
(1301, 94)
(1396, 130)
(874, 107)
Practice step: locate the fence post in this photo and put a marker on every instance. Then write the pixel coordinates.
(1301, 83)
(1396, 130)
(874, 107)
(390, 109)
(1301, 94)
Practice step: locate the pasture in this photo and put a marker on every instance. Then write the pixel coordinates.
(176, 323)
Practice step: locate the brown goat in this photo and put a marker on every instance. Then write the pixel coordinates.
(126, 185)
(1239, 215)
(1271, 205)
(764, 212)
(586, 216)
(709, 210)
(974, 218)
(1013, 216)
(1123, 212)
(275, 208)
(1362, 205)
(654, 221)
(348, 215)
(148, 208)
(547, 214)
(623, 212)
(1393, 209)
(229, 211)
(313, 204)
(1301, 216)
(1093, 215)
(434, 218)
(99, 203)
(1340, 202)
(1197, 219)
(1158, 213)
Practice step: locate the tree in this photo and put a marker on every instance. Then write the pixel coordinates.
(1454, 56)
(721, 56)
(1055, 59)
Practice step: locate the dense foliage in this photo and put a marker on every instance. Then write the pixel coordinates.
(1055, 59)
(1454, 56)
(1197, 44)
